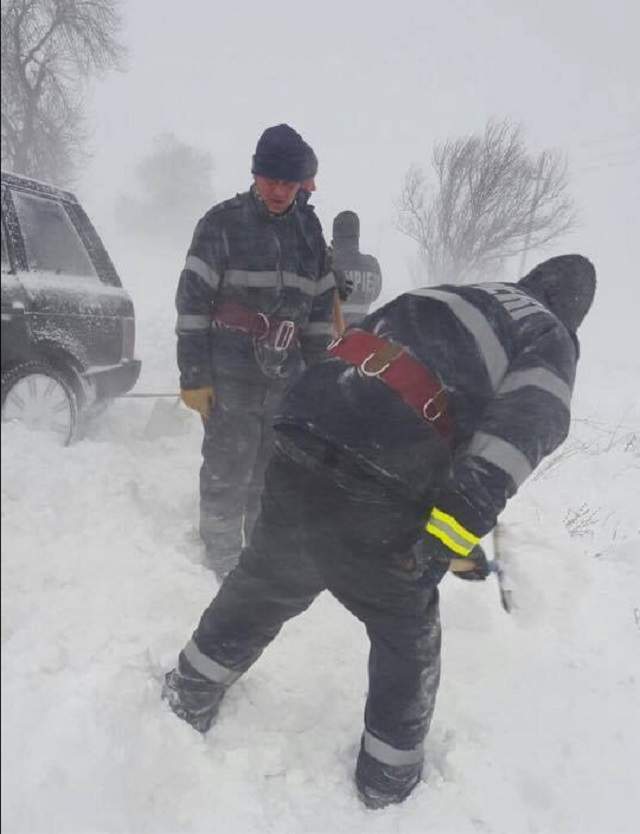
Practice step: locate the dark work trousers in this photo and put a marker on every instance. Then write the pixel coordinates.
(327, 525)
(237, 445)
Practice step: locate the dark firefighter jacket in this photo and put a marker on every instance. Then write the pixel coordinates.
(508, 366)
(275, 265)
(362, 273)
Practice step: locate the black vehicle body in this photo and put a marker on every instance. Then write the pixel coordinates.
(62, 301)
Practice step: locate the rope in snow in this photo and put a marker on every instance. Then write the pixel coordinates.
(146, 396)
(587, 420)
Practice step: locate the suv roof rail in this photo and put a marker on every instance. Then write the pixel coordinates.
(31, 184)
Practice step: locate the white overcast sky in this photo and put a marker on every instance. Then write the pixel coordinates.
(371, 86)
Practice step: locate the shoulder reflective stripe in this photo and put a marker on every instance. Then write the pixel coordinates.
(538, 378)
(502, 454)
(318, 328)
(188, 321)
(203, 270)
(393, 756)
(493, 354)
(207, 667)
(264, 279)
(225, 243)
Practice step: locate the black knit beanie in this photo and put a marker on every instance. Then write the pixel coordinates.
(281, 154)
(311, 165)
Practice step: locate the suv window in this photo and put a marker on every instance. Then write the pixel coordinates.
(50, 239)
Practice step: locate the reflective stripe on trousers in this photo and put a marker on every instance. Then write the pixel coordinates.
(389, 755)
(207, 667)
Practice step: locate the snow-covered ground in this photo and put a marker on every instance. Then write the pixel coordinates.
(537, 726)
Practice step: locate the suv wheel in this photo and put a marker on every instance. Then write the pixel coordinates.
(38, 395)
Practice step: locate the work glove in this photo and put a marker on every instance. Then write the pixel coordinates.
(430, 556)
(425, 560)
(199, 399)
(473, 567)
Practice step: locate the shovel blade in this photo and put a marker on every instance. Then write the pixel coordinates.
(500, 567)
(167, 419)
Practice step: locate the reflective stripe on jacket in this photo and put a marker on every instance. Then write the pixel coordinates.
(362, 272)
(508, 366)
(276, 265)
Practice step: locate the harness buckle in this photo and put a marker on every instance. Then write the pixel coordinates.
(284, 335)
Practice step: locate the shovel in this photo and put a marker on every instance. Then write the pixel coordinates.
(167, 419)
(497, 566)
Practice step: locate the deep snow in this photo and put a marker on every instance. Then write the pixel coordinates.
(537, 725)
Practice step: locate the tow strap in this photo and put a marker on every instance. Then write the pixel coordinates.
(389, 362)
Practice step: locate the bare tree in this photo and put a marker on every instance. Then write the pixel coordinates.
(492, 200)
(49, 49)
(172, 188)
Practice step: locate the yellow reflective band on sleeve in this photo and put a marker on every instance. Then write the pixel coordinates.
(455, 526)
(451, 533)
(459, 549)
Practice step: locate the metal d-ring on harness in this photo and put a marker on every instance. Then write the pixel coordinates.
(431, 402)
(411, 380)
(366, 372)
(282, 335)
(430, 417)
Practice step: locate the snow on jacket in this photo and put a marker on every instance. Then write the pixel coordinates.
(273, 264)
(508, 366)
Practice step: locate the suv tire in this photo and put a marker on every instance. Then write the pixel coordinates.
(42, 397)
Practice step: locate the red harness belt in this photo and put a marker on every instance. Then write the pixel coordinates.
(389, 362)
(278, 333)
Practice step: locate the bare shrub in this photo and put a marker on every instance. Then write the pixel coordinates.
(491, 199)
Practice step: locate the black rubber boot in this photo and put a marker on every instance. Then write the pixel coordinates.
(193, 698)
(382, 784)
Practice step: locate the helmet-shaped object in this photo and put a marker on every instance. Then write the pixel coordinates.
(346, 225)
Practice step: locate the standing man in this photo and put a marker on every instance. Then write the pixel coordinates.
(361, 279)
(394, 457)
(254, 305)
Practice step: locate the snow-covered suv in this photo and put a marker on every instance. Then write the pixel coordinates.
(68, 326)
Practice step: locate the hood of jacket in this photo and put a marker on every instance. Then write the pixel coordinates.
(566, 285)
